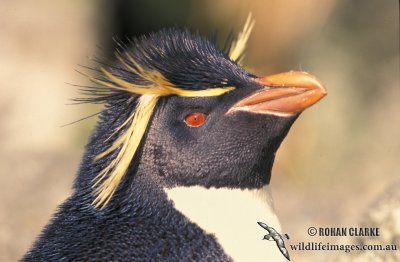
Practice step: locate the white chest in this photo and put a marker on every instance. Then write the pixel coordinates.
(232, 216)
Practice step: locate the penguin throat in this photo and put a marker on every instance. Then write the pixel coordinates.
(231, 215)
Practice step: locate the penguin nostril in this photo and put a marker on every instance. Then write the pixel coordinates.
(195, 119)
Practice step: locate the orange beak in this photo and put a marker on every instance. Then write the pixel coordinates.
(286, 94)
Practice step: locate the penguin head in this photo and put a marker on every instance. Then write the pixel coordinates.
(185, 112)
(206, 141)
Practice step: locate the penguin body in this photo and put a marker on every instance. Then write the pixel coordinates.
(202, 129)
(151, 230)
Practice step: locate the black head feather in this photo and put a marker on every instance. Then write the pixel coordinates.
(187, 60)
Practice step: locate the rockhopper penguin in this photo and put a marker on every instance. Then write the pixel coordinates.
(178, 166)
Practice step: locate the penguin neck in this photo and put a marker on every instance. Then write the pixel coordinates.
(231, 215)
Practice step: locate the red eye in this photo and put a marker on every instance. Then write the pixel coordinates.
(195, 119)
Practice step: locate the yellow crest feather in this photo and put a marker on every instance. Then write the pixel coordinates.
(239, 46)
(129, 142)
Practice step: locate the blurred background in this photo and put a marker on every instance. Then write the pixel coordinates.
(338, 159)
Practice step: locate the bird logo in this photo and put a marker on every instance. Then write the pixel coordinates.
(278, 238)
